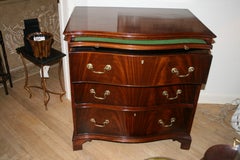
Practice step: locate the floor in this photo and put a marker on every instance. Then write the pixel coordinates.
(29, 132)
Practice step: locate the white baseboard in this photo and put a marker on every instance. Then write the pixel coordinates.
(216, 98)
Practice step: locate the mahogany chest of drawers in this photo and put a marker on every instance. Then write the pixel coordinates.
(136, 73)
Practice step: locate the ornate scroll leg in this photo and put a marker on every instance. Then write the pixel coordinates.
(60, 79)
(26, 76)
(44, 88)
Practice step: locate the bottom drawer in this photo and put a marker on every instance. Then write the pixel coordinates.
(93, 120)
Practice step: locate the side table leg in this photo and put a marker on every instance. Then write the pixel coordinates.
(44, 88)
(26, 76)
(60, 79)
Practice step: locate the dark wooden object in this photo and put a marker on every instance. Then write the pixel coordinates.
(4, 67)
(221, 152)
(136, 73)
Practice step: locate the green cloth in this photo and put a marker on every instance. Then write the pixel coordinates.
(139, 42)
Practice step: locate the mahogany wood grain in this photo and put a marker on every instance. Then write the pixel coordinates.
(129, 82)
(127, 67)
(133, 96)
(135, 23)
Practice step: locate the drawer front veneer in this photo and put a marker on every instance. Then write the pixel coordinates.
(139, 69)
(135, 123)
(133, 96)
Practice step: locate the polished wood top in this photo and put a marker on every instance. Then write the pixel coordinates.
(136, 23)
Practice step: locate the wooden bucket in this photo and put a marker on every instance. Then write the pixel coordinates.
(41, 43)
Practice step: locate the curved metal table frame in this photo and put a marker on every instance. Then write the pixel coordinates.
(55, 57)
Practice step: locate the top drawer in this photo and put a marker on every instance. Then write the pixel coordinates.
(140, 69)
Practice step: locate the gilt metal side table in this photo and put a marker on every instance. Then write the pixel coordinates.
(55, 57)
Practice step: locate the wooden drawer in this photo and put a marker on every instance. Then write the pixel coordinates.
(133, 96)
(94, 120)
(140, 69)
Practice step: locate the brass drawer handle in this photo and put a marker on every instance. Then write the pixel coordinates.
(178, 92)
(160, 121)
(106, 68)
(99, 125)
(106, 93)
(175, 71)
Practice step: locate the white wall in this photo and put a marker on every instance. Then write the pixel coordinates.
(220, 16)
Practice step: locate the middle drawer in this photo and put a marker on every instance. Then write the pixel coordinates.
(133, 96)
